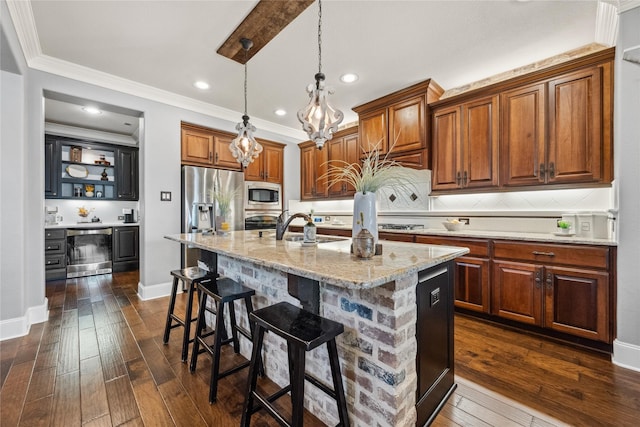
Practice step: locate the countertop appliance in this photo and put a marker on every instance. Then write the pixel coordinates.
(199, 208)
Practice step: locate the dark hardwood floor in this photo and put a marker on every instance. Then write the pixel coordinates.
(99, 361)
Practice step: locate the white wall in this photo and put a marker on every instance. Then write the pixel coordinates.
(627, 152)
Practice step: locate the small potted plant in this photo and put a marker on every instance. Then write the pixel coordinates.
(564, 226)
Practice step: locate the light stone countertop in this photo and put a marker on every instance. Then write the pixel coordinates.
(91, 224)
(490, 234)
(329, 262)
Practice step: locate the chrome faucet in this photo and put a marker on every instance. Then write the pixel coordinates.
(282, 225)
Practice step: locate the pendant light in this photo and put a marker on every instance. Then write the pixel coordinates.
(244, 148)
(319, 119)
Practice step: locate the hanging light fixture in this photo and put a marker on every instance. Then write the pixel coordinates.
(319, 119)
(244, 148)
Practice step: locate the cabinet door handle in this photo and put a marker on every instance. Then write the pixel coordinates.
(210, 156)
(216, 157)
(552, 170)
(543, 253)
(458, 179)
(549, 280)
(464, 179)
(538, 279)
(542, 170)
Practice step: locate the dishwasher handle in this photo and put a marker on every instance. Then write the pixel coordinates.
(88, 231)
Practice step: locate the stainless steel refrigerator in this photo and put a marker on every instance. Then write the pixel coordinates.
(199, 208)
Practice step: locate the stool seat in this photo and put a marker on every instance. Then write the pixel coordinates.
(303, 331)
(190, 277)
(296, 325)
(223, 291)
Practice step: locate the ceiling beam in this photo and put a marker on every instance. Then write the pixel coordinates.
(261, 25)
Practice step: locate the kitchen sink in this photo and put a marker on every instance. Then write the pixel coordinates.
(319, 239)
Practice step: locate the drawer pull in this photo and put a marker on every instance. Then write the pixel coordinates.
(543, 253)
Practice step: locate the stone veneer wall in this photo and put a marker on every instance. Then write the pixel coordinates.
(377, 350)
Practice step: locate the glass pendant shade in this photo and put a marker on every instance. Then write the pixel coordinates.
(244, 148)
(319, 119)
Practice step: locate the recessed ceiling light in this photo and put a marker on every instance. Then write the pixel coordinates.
(280, 112)
(201, 85)
(91, 110)
(348, 78)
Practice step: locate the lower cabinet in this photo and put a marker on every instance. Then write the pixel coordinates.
(564, 288)
(471, 272)
(55, 253)
(125, 248)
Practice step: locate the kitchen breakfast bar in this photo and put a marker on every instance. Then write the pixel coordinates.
(396, 353)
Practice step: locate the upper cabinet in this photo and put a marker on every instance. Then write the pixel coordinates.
(269, 165)
(465, 145)
(552, 127)
(81, 169)
(314, 163)
(202, 146)
(399, 123)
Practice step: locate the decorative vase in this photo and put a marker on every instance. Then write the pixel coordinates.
(363, 246)
(222, 223)
(364, 206)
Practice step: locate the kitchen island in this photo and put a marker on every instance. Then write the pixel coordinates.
(396, 353)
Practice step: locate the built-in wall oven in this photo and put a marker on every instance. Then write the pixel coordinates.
(89, 251)
(262, 196)
(260, 220)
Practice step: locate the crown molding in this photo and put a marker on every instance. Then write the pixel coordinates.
(22, 16)
(628, 5)
(606, 24)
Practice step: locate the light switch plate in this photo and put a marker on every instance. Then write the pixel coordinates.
(165, 196)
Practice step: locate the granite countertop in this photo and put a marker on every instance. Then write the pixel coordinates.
(91, 224)
(329, 262)
(490, 234)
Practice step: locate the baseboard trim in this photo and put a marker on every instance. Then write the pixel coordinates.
(148, 292)
(626, 355)
(19, 326)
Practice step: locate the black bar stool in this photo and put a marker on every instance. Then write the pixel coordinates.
(223, 291)
(190, 277)
(303, 332)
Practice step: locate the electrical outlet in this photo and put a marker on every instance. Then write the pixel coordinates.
(120, 217)
(464, 220)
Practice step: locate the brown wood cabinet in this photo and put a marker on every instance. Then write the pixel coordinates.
(313, 165)
(471, 271)
(465, 145)
(343, 147)
(202, 146)
(269, 165)
(565, 288)
(398, 123)
(552, 127)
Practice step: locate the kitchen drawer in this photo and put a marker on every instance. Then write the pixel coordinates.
(54, 261)
(55, 246)
(572, 255)
(477, 247)
(397, 237)
(54, 233)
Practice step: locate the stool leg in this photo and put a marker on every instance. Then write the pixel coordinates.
(234, 327)
(187, 321)
(249, 305)
(199, 327)
(297, 356)
(258, 336)
(337, 383)
(215, 362)
(172, 303)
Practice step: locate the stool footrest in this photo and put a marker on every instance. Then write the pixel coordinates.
(263, 403)
(316, 382)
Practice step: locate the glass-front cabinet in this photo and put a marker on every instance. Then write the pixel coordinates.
(78, 169)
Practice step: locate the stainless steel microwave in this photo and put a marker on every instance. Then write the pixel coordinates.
(262, 195)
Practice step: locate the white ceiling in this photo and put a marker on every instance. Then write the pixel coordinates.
(167, 45)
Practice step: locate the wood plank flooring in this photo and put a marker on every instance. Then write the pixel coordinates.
(99, 361)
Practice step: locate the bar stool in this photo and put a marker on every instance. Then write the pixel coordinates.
(303, 332)
(190, 277)
(223, 291)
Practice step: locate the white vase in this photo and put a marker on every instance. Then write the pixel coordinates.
(365, 204)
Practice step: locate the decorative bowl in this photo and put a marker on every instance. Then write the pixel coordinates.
(453, 226)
